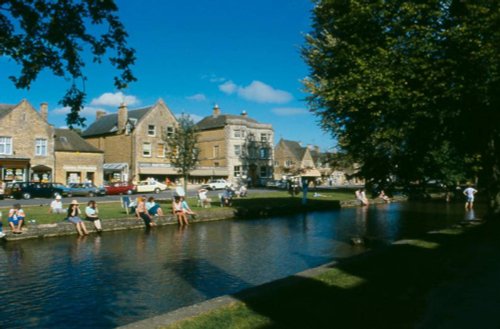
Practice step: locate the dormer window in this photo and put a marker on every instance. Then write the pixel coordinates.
(170, 131)
(151, 130)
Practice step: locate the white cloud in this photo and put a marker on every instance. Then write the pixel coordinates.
(213, 78)
(110, 99)
(257, 91)
(86, 111)
(197, 98)
(228, 87)
(289, 111)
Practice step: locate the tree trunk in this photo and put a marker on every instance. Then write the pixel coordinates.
(493, 176)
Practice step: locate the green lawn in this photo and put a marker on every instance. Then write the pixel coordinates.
(255, 201)
(393, 288)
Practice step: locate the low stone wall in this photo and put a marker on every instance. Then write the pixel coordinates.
(33, 231)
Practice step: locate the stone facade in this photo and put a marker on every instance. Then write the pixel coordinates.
(239, 144)
(134, 138)
(87, 166)
(26, 143)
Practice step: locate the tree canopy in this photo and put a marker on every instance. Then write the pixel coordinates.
(410, 88)
(182, 150)
(54, 35)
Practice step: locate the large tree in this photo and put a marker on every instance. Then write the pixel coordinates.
(54, 35)
(182, 150)
(410, 88)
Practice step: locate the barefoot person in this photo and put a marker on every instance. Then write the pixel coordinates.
(142, 212)
(92, 214)
(469, 192)
(74, 214)
(16, 219)
(178, 211)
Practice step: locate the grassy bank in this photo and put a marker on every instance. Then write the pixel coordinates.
(254, 204)
(446, 279)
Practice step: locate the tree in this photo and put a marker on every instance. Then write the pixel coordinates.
(183, 153)
(410, 88)
(53, 35)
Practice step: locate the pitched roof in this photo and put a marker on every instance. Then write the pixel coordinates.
(69, 141)
(108, 123)
(5, 109)
(211, 122)
(294, 147)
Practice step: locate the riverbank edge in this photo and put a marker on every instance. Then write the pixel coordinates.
(218, 303)
(65, 228)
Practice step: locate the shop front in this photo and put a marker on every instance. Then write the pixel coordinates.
(41, 173)
(14, 169)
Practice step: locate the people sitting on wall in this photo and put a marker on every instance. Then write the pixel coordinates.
(226, 199)
(56, 206)
(384, 196)
(186, 209)
(242, 191)
(16, 219)
(153, 208)
(92, 214)
(205, 201)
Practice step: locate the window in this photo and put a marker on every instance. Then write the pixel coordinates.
(264, 153)
(263, 171)
(161, 150)
(216, 151)
(151, 130)
(216, 164)
(288, 163)
(40, 146)
(146, 149)
(237, 171)
(237, 150)
(170, 131)
(264, 137)
(239, 133)
(6, 145)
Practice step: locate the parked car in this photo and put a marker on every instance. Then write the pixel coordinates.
(150, 186)
(281, 184)
(85, 189)
(119, 188)
(28, 190)
(217, 184)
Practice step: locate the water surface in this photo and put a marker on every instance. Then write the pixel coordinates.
(120, 277)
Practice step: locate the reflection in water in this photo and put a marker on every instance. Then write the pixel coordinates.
(469, 214)
(120, 277)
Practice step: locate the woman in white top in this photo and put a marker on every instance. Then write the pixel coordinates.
(92, 214)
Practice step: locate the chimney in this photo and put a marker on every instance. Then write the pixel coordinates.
(122, 117)
(244, 114)
(216, 111)
(44, 110)
(99, 114)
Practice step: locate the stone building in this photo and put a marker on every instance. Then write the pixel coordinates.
(235, 147)
(292, 159)
(132, 142)
(26, 143)
(76, 161)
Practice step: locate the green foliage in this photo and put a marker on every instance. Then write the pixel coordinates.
(183, 153)
(409, 88)
(53, 35)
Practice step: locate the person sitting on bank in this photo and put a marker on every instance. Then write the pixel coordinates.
(186, 209)
(56, 206)
(384, 196)
(153, 207)
(92, 214)
(16, 219)
(204, 199)
(226, 198)
(361, 197)
(178, 211)
(142, 212)
(74, 217)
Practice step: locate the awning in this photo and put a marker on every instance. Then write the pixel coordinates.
(210, 172)
(158, 171)
(116, 166)
(41, 168)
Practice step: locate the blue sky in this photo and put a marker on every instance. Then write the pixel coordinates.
(241, 55)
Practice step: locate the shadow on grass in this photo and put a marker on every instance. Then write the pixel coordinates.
(388, 288)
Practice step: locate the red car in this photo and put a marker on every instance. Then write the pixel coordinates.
(120, 188)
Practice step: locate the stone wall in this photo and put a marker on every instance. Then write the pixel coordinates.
(80, 162)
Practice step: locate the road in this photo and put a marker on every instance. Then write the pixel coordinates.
(168, 194)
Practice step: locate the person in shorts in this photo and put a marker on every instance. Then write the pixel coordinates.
(469, 192)
(16, 219)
